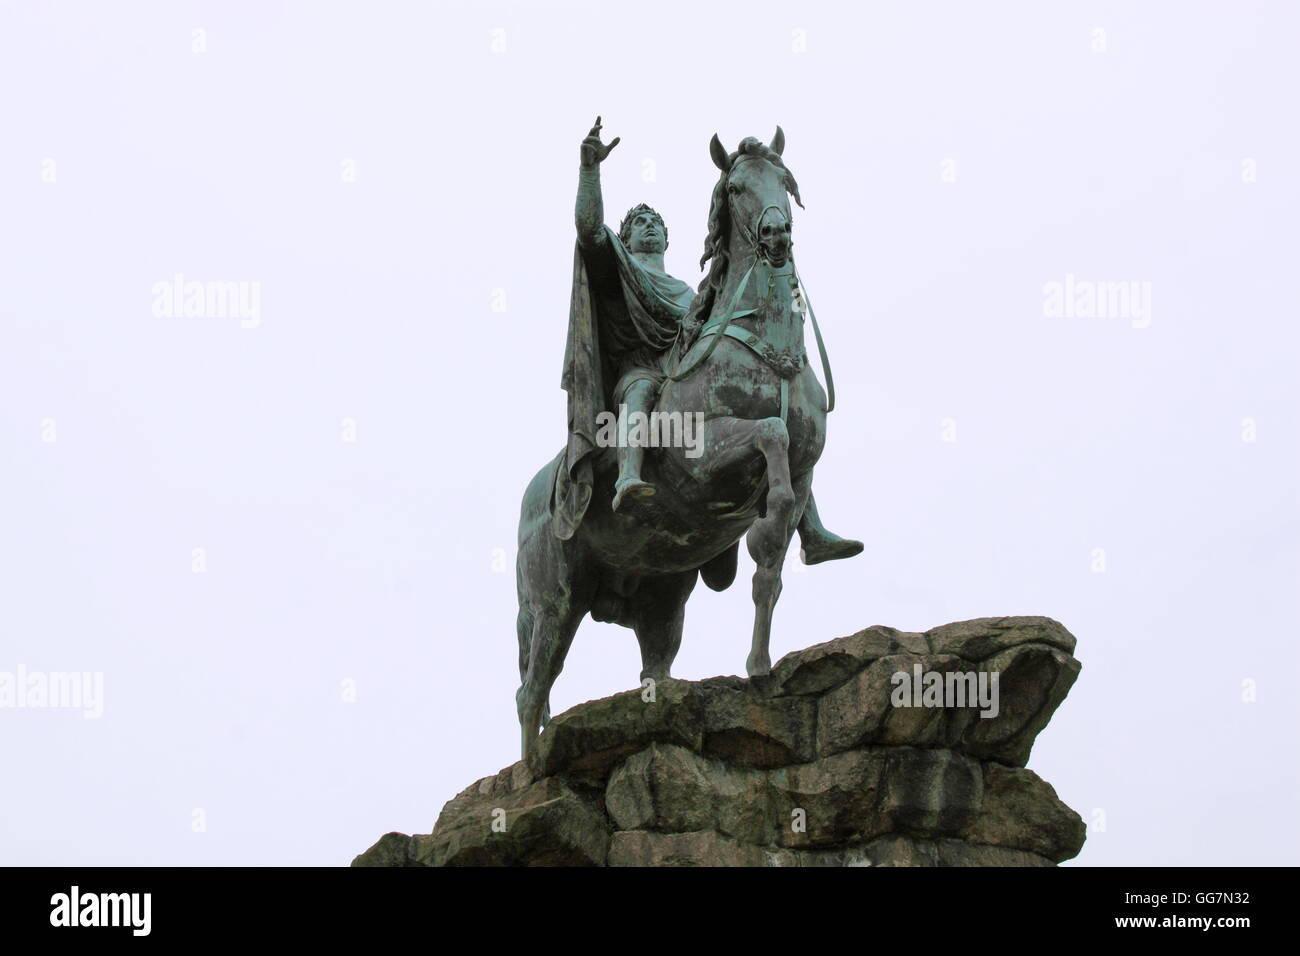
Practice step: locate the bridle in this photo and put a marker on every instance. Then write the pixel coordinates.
(718, 328)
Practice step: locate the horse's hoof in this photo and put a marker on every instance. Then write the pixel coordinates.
(758, 667)
(632, 488)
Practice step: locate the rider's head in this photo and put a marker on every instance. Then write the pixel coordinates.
(643, 230)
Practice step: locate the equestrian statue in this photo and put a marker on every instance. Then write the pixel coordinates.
(621, 529)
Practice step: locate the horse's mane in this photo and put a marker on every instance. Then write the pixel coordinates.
(719, 236)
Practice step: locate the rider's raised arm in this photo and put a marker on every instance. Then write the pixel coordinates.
(589, 210)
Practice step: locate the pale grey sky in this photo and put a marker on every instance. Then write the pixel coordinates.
(398, 178)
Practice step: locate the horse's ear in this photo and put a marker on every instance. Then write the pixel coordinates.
(718, 153)
(778, 141)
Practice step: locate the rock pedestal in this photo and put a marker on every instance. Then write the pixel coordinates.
(831, 760)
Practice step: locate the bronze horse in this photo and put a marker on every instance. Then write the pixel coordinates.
(741, 361)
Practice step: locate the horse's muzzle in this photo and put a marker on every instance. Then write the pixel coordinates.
(776, 251)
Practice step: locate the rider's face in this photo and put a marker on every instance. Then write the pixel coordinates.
(646, 234)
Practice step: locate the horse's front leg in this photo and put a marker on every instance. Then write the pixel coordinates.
(768, 541)
(731, 441)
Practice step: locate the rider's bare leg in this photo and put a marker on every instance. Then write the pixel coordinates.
(640, 397)
(816, 544)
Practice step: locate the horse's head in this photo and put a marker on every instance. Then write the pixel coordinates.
(749, 202)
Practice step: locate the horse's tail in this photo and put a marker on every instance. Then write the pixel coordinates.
(524, 625)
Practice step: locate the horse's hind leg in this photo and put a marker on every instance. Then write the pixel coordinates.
(552, 633)
(524, 625)
(657, 614)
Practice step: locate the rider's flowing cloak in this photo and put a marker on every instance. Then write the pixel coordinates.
(603, 324)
